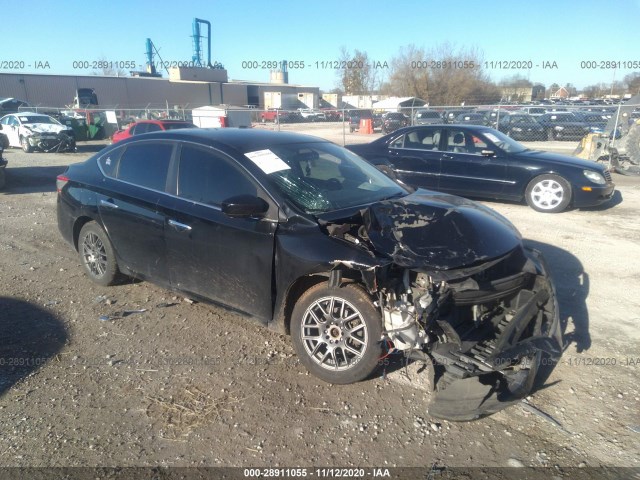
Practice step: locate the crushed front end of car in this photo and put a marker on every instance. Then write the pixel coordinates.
(49, 137)
(462, 294)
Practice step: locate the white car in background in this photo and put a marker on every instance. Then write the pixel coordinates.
(31, 131)
(312, 115)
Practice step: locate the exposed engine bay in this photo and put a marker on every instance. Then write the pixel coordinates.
(480, 313)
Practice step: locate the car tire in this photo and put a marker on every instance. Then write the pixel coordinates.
(26, 147)
(340, 346)
(548, 193)
(97, 255)
(3, 177)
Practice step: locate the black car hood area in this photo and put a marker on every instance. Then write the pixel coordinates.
(434, 231)
(558, 159)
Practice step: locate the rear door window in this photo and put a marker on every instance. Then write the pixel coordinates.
(146, 164)
(422, 139)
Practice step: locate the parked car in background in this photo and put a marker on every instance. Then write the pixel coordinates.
(480, 162)
(309, 239)
(393, 120)
(35, 131)
(534, 111)
(356, 115)
(470, 118)
(450, 116)
(596, 121)
(332, 115)
(521, 126)
(312, 115)
(147, 126)
(491, 117)
(427, 117)
(562, 126)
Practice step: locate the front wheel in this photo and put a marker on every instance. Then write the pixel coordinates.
(97, 255)
(26, 147)
(337, 333)
(548, 193)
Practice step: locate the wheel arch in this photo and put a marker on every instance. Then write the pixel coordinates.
(540, 173)
(80, 222)
(282, 322)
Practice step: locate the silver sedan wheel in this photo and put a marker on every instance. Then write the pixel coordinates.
(334, 333)
(547, 194)
(94, 254)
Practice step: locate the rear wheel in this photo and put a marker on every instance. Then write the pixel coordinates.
(337, 333)
(97, 255)
(548, 193)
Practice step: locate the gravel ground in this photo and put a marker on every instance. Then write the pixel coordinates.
(188, 384)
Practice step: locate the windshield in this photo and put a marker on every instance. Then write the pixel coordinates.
(503, 142)
(321, 177)
(38, 119)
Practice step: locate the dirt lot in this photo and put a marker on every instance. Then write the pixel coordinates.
(187, 384)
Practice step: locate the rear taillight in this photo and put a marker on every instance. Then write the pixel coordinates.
(61, 181)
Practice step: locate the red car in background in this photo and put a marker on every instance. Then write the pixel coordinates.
(146, 126)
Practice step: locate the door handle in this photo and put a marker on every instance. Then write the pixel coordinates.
(180, 227)
(108, 204)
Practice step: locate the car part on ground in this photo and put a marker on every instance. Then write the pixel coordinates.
(311, 240)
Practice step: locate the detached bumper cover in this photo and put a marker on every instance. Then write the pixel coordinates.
(475, 379)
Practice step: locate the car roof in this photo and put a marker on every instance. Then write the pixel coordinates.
(240, 139)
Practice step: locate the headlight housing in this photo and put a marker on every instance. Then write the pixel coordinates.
(595, 177)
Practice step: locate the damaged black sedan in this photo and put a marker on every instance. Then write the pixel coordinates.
(313, 241)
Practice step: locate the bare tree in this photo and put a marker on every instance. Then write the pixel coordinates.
(356, 74)
(632, 82)
(443, 75)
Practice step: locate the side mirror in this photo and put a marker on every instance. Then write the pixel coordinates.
(488, 153)
(244, 206)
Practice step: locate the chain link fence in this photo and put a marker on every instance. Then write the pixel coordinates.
(601, 132)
